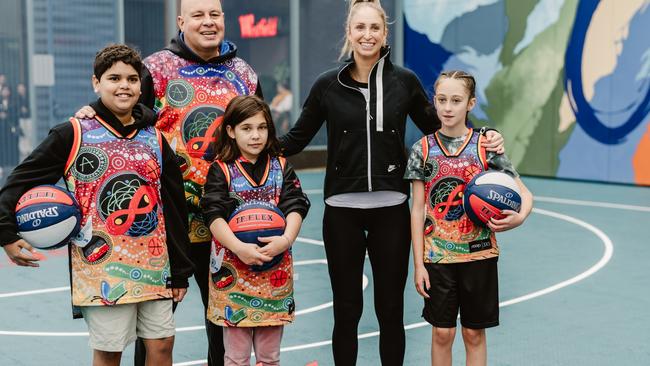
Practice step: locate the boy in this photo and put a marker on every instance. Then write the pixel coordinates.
(130, 260)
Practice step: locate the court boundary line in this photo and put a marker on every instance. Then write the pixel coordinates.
(607, 255)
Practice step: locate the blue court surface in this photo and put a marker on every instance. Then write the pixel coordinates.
(573, 289)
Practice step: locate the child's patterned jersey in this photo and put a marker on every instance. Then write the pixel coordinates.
(120, 255)
(243, 295)
(449, 235)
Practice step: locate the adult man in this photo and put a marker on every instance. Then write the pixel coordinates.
(189, 85)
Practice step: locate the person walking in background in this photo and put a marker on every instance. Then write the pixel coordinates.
(366, 102)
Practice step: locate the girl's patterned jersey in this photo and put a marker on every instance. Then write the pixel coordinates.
(243, 295)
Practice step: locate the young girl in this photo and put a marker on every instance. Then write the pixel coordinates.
(448, 274)
(248, 167)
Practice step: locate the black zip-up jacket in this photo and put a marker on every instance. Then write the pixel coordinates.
(46, 165)
(365, 138)
(180, 49)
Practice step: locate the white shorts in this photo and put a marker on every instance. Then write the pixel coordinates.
(112, 328)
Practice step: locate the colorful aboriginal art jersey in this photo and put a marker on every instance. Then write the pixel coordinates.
(243, 295)
(449, 235)
(120, 256)
(190, 101)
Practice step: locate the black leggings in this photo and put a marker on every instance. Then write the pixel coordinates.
(385, 233)
(200, 255)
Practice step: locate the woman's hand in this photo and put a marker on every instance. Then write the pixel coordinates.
(494, 142)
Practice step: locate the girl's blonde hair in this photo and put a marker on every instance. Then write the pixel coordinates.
(464, 77)
(346, 50)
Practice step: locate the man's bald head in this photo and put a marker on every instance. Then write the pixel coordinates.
(202, 24)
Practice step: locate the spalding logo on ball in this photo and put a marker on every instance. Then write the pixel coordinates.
(488, 193)
(255, 219)
(48, 217)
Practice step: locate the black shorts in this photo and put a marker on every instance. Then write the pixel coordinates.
(471, 287)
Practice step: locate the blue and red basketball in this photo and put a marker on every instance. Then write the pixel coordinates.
(488, 193)
(256, 219)
(48, 217)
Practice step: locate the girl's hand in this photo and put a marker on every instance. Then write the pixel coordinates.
(16, 254)
(274, 245)
(494, 142)
(250, 254)
(511, 221)
(421, 277)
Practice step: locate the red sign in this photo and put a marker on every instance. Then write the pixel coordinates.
(265, 27)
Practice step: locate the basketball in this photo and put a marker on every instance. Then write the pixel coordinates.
(488, 193)
(48, 217)
(255, 219)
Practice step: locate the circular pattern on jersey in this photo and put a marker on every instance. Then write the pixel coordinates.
(90, 164)
(431, 169)
(199, 129)
(128, 205)
(97, 250)
(225, 278)
(179, 93)
(446, 198)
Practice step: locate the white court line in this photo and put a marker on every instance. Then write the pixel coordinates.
(607, 255)
(312, 309)
(565, 201)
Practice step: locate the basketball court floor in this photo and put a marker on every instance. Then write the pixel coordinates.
(573, 289)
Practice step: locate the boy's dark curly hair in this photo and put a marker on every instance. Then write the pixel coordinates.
(113, 53)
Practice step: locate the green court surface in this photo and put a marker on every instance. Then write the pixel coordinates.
(573, 291)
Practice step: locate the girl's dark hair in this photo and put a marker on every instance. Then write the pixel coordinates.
(238, 110)
(114, 53)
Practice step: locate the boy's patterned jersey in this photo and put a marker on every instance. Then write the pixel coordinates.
(121, 255)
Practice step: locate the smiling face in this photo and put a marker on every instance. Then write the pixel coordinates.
(453, 102)
(366, 32)
(119, 89)
(202, 24)
(251, 136)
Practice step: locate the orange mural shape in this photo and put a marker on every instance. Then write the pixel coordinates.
(641, 160)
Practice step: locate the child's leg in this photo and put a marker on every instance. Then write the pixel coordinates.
(441, 341)
(266, 343)
(479, 306)
(156, 327)
(237, 343)
(103, 358)
(111, 329)
(475, 346)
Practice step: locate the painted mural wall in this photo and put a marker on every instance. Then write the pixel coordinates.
(567, 82)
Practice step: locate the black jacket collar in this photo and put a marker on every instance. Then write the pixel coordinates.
(143, 116)
(180, 48)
